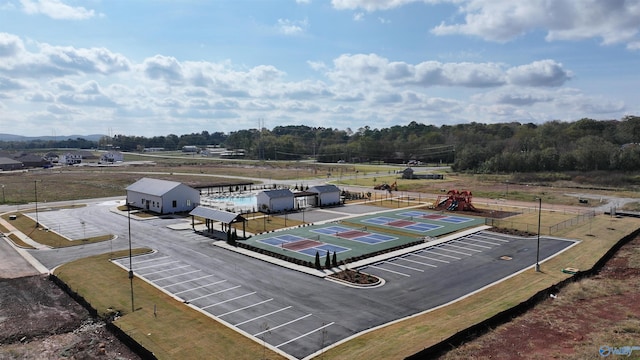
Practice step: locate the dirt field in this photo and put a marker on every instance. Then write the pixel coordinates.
(583, 318)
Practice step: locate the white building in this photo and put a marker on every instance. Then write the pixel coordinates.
(162, 196)
(111, 157)
(328, 195)
(70, 159)
(270, 201)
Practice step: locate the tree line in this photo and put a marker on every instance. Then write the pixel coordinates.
(583, 145)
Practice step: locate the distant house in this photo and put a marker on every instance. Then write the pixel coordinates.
(70, 159)
(327, 195)
(190, 148)
(111, 157)
(270, 201)
(162, 196)
(8, 164)
(409, 174)
(33, 161)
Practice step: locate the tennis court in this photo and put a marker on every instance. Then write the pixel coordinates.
(301, 245)
(421, 222)
(361, 235)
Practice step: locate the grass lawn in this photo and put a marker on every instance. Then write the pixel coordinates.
(175, 332)
(410, 336)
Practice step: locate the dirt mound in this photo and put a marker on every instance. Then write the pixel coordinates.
(40, 321)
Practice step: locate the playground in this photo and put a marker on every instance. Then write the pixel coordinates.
(362, 235)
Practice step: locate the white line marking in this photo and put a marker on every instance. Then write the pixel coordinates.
(159, 271)
(472, 244)
(214, 293)
(404, 266)
(156, 265)
(391, 271)
(281, 325)
(186, 281)
(200, 287)
(226, 301)
(303, 335)
(172, 276)
(496, 238)
(453, 251)
(430, 258)
(152, 259)
(261, 316)
(453, 257)
(244, 308)
(418, 262)
(482, 241)
(462, 247)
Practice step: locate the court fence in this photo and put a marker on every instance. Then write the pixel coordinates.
(544, 230)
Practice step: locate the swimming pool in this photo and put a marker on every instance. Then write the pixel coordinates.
(231, 202)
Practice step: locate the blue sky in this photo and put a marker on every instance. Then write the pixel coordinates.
(174, 67)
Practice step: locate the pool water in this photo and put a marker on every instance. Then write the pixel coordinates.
(233, 202)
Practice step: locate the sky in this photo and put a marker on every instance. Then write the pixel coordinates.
(153, 68)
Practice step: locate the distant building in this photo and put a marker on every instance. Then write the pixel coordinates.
(327, 195)
(7, 164)
(409, 174)
(190, 148)
(162, 196)
(233, 154)
(70, 159)
(270, 201)
(111, 157)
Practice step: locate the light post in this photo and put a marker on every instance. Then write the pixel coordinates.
(130, 265)
(35, 190)
(538, 247)
(3, 199)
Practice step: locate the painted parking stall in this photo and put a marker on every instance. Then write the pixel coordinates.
(283, 326)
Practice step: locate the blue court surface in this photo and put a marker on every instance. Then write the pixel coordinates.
(302, 245)
(360, 235)
(433, 217)
(402, 223)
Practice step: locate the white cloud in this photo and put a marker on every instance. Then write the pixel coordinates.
(56, 9)
(539, 73)
(292, 27)
(374, 5)
(359, 16)
(504, 20)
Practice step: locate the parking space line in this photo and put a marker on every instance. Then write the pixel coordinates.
(152, 259)
(199, 287)
(391, 271)
(430, 258)
(462, 247)
(214, 293)
(172, 276)
(471, 244)
(244, 308)
(403, 266)
(453, 251)
(155, 265)
(226, 301)
(265, 315)
(281, 325)
(482, 241)
(417, 262)
(303, 335)
(164, 270)
(191, 280)
(496, 238)
(437, 253)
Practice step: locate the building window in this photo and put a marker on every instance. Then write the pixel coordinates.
(188, 202)
(175, 203)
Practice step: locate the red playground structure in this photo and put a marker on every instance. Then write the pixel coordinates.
(455, 201)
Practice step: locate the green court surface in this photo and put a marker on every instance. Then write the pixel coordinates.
(362, 235)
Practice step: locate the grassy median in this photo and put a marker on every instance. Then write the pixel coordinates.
(164, 326)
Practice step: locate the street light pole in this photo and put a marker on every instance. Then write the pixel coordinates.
(35, 190)
(130, 265)
(538, 248)
(3, 199)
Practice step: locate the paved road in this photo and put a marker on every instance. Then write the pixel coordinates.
(292, 311)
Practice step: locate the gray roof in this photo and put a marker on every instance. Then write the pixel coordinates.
(218, 215)
(323, 189)
(155, 187)
(273, 194)
(6, 160)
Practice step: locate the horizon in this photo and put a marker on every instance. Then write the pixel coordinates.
(154, 69)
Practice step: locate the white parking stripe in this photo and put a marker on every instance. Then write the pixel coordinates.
(281, 325)
(172, 276)
(191, 280)
(152, 259)
(462, 247)
(451, 256)
(303, 335)
(417, 262)
(261, 316)
(391, 271)
(214, 293)
(471, 238)
(404, 266)
(430, 258)
(244, 308)
(226, 301)
(496, 238)
(199, 287)
(164, 270)
(155, 265)
(453, 251)
(472, 244)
